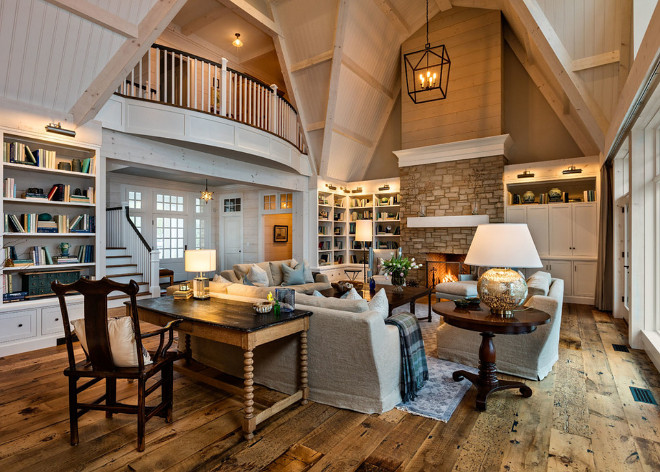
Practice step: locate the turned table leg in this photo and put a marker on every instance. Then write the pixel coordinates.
(249, 420)
(188, 350)
(303, 367)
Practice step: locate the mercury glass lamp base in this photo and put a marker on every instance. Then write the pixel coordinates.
(502, 290)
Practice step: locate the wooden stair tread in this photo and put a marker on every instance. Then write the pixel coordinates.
(116, 257)
(123, 275)
(120, 265)
(114, 248)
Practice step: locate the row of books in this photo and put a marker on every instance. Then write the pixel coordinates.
(393, 200)
(357, 258)
(381, 230)
(387, 215)
(20, 153)
(361, 215)
(339, 245)
(324, 230)
(324, 259)
(589, 196)
(57, 193)
(360, 202)
(360, 245)
(40, 255)
(11, 283)
(323, 200)
(30, 223)
(387, 245)
(339, 259)
(324, 245)
(9, 188)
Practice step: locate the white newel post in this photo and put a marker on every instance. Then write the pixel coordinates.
(154, 286)
(223, 88)
(273, 109)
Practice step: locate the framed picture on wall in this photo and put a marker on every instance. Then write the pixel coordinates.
(280, 234)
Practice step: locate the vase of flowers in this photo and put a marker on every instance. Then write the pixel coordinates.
(397, 267)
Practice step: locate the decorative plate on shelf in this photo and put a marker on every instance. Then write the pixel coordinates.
(528, 197)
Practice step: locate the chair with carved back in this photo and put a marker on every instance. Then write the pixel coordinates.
(98, 363)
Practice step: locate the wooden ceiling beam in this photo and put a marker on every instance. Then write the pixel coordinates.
(394, 16)
(623, 36)
(558, 101)
(352, 135)
(325, 56)
(552, 51)
(128, 54)
(258, 53)
(333, 90)
(253, 16)
(597, 60)
(99, 16)
(369, 79)
(201, 21)
(485, 4)
(315, 126)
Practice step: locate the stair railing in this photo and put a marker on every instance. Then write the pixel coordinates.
(122, 232)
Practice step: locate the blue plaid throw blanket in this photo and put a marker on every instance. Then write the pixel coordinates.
(414, 371)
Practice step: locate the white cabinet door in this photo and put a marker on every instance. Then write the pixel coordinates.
(562, 270)
(560, 233)
(537, 222)
(515, 215)
(585, 229)
(584, 278)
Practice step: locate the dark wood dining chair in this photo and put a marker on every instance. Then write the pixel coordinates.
(98, 363)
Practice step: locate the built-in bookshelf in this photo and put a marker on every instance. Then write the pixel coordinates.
(50, 211)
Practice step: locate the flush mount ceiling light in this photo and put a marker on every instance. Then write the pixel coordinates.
(237, 42)
(427, 70)
(526, 174)
(57, 128)
(571, 170)
(206, 195)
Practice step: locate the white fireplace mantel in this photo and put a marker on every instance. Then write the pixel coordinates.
(460, 221)
(456, 151)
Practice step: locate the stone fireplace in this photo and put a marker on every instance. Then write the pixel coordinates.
(445, 267)
(449, 181)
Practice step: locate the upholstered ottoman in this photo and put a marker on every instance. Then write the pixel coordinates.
(456, 290)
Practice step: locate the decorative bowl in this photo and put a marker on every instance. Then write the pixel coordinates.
(528, 197)
(467, 302)
(554, 194)
(263, 307)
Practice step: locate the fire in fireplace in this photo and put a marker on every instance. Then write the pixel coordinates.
(445, 267)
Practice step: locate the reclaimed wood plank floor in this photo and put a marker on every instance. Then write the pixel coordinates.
(581, 417)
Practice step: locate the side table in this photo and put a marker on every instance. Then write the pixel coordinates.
(480, 319)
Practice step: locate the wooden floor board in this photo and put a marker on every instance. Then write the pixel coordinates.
(581, 417)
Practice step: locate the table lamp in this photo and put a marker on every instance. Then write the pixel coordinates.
(200, 260)
(364, 231)
(501, 247)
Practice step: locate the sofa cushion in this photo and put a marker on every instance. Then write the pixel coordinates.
(218, 287)
(258, 276)
(276, 270)
(380, 304)
(220, 279)
(308, 289)
(467, 288)
(248, 291)
(353, 306)
(292, 276)
(538, 283)
(243, 269)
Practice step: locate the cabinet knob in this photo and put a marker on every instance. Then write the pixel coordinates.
(57, 319)
(20, 325)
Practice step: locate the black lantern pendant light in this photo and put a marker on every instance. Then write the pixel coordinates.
(427, 70)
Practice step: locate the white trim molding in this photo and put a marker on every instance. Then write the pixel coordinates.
(651, 344)
(459, 221)
(456, 151)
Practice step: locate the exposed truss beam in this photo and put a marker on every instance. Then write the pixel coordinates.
(557, 101)
(622, 33)
(598, 60)
(315, 126)
(259, 52)
(312, 61)
(352, 135)
(369, 79)
(128, 54)
(253, 16)
(552, 51)
(202, 21)
(98, 15)
(485, 4)
(333, 90)
(394, 16)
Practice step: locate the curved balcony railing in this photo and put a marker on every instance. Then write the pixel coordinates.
(173, 77)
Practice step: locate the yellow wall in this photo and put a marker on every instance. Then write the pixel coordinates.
(276, 251)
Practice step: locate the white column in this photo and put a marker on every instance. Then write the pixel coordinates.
(154, 269)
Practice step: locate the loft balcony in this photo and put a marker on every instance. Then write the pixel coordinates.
(176, 96)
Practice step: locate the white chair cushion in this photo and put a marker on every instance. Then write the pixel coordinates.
(122, 341)
(380, 304)
(467, 288)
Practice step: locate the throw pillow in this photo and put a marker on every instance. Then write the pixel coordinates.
(246, 281)
(351, 295)
(309, 278)
(316, 293)
(539, 283)
(292, 276)
(220, 279)
(122, 341)
(257, 276)
(276, 271)
(380, 304)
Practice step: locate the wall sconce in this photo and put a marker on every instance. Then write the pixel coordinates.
(345, 189)
(331, 187)
(526, 174)
(384, 188)
(571, 170)
(357, 190)
(57, 128)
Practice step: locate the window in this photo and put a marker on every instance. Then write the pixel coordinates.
(135, 200)
(137, 221)
(199, 234)
(232, 205)
(286, 201)
(270, 202)
(169, 202)
(200, 206)
(169, 237)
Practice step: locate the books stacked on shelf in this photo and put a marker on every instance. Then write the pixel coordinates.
(357, 259)
(86, 253)
(20, 153)
(41, 256)
(324, 259)
(340, 203)
(388, 201)
(338, 215)
(22, 263)
(589, 196)
(339, 245)
(9, 188)
(65, 260)
(387, 245)
(360, 202)
(36, 194)
(324, 245)
(183, 294)
(543, 198)
(324, 230)
(351, 228)
(361, 215)
(49, 226)
(339, 259)
(9, 253)
(82, 224)
(387, 215)
(13, 297)
(360, 245)
(11, 283)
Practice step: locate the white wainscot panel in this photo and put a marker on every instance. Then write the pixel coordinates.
(280, 152)
(112, 114)
(210, 131)
(160, 121)
(251, 141)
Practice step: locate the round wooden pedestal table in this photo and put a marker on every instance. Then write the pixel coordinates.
(480, 319)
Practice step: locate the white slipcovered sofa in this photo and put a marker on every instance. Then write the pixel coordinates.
(530, 356)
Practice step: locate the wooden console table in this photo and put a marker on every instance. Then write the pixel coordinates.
(235, 323)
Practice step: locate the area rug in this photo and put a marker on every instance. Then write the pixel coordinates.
(440, 395)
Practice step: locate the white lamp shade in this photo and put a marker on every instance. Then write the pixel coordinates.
(200, 260)
(364, 230)
(503, 245)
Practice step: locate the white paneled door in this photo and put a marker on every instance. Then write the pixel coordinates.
(232, 231)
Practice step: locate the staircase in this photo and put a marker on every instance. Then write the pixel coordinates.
(119, 267)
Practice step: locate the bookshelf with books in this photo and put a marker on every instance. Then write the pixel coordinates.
(50, 215)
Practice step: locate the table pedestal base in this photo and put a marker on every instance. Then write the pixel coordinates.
(486, 380)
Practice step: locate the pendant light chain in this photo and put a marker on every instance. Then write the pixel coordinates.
(427, 24)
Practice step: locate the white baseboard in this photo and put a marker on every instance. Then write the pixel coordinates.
(25, 345)
(651, 343)
(580, 300)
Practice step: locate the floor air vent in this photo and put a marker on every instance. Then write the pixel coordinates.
(620, 347)
(643, 395)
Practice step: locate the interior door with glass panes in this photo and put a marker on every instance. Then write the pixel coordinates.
(169, 228)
